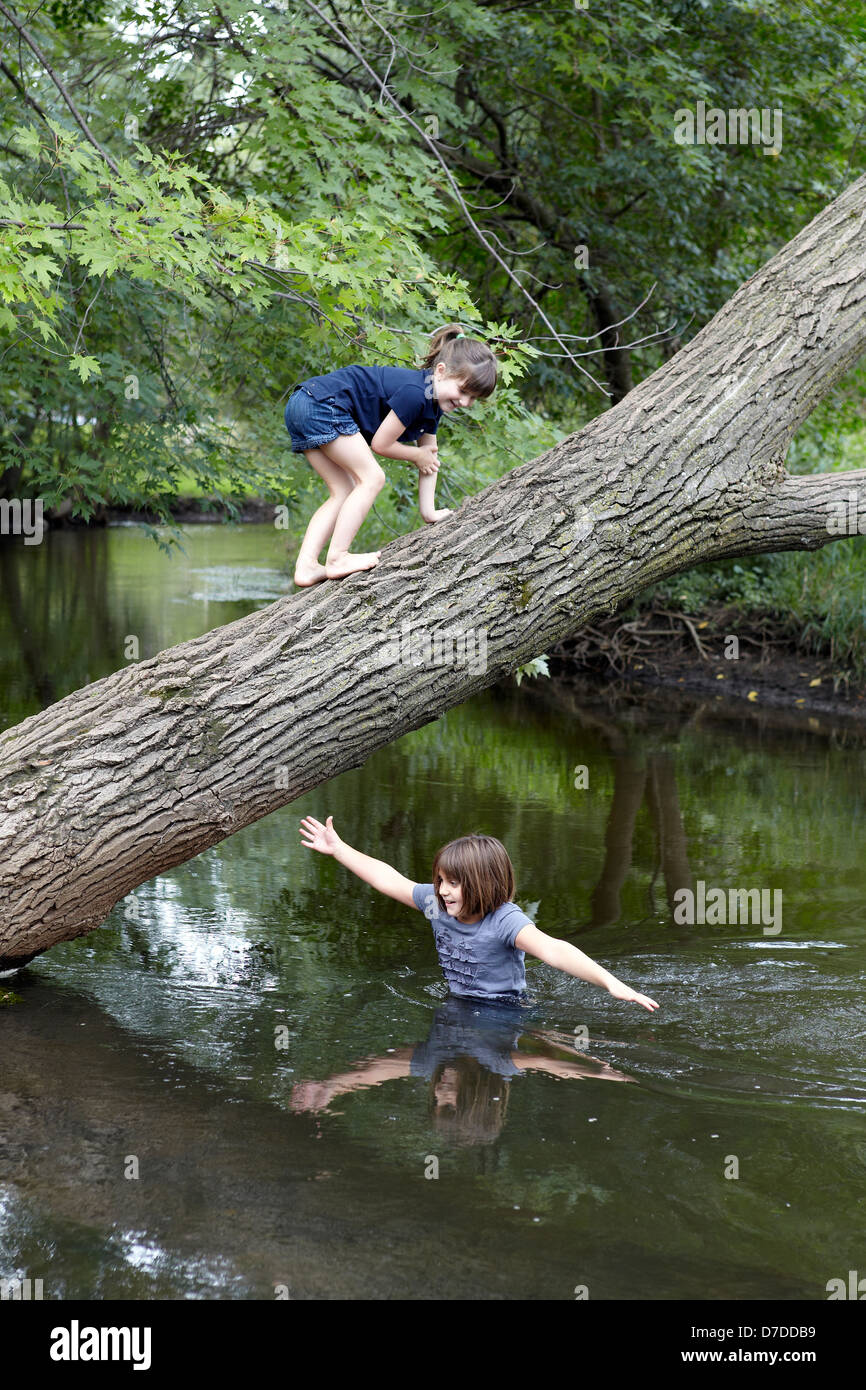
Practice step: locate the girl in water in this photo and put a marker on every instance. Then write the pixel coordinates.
(481, 936)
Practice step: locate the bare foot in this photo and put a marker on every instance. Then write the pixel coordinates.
(438, 515)
(350, 564)
(307, 574)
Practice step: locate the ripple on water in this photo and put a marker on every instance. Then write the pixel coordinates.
(235, 584)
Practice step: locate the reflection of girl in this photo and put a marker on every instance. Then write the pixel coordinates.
(481, 935)
(470, 1055)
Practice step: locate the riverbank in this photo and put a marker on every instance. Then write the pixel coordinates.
(717, 653)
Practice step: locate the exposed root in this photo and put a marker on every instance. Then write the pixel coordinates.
(658, 633)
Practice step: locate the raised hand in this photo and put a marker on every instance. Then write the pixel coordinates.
(314, 835)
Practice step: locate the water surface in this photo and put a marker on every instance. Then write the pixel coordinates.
(241, 1031)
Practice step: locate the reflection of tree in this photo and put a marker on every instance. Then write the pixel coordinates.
(19, 629)
(637, 780)
(628, 793)
(643, 774)
(664, 806)
(55, 611)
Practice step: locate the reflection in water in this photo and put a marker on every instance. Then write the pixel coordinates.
(67, 605)
(17, 627)
(650, 780)
(156, 1035)
(471, 1053)
(231, 1197)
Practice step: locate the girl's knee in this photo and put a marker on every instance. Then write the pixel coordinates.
(375, 479)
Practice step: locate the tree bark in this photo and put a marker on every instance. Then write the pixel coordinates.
(150, 766)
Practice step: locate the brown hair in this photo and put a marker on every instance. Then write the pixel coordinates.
(481, 866)
(481, 1105)
(468, 359)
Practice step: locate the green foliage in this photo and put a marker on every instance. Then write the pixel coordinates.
(536, 667)
(155, 315)
(72, 14)
(262, 213)
(815, 600)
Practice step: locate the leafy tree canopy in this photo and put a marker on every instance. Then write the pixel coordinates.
(202, 204)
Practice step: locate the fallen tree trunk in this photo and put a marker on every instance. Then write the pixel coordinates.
(150, 766)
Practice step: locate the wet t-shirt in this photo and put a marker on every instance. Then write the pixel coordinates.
(471, 1028)
(479, 959)
(369, 393)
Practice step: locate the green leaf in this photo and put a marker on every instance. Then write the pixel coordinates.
(85, 366)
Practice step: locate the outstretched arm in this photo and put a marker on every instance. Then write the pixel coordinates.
(563, 956)
(376, 872)
(317, 1095)
(555, 1066)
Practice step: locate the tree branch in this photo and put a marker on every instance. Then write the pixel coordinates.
(79, 119)
(455, 189)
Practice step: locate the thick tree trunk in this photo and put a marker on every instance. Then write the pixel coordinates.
(148, 767)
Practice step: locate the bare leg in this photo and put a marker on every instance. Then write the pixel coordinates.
(352, 454)
(320, 527)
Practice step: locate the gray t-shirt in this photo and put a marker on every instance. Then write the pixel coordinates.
(477, 959)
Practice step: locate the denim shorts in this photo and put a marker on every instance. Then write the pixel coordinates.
(312, 423)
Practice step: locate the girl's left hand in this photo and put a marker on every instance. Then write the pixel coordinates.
(631, 996)
(428, 458)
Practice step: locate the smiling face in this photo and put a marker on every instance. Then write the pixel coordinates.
(450, 392)
(452, 895)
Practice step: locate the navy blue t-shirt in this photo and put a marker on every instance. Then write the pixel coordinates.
(478, 959)
(369, 393)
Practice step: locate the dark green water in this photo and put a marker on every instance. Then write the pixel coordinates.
(197, 1030)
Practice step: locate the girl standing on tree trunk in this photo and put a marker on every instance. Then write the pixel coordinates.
(341, 419)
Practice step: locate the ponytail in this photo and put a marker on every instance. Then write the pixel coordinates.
(467, 358)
